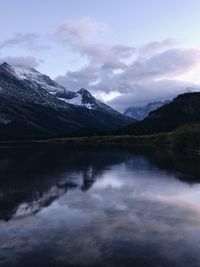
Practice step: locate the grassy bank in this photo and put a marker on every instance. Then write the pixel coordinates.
(186, 137)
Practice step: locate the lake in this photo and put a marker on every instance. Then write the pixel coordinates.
(83, 206)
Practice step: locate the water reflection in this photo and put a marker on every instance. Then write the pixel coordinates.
(62, 206)
(36, 177)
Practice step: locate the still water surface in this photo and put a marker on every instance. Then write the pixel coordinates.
(62, 206)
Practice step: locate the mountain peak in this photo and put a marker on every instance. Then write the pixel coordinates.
(25, 72)
(25, 68)
(5, 64)
(7, 69)
(141, 112)
(85, 92)
(19, 71)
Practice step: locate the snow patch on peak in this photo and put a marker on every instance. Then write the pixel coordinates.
(20, 71)
(23, 72)
(77, 100)
(26, 72)
(84, 98)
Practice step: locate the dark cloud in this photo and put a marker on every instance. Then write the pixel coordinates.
(28, 61)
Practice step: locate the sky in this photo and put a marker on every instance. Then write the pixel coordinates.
(126, 52)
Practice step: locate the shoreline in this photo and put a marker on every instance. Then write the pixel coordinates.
(90, 140)
(161, 140)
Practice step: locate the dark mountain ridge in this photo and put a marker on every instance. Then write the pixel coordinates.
(141, 112)
(184, 109)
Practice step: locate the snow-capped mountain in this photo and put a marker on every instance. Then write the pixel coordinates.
(82, 98)
(31, 88)
(28, 73)
(32, 106)
(141, 112)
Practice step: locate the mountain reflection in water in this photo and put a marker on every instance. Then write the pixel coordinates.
(80, 206)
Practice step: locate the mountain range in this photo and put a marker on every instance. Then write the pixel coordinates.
(141, 112)
(33, 106)
(182, 110)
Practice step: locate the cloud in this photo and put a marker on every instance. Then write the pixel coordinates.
(134, 74)
(145, 79)
(129, 74)
(23, 60)
(79, 36)
(78, 30)
(28, 40)
(167, 64)
(142, 93)
(153, 47)
(75, 80)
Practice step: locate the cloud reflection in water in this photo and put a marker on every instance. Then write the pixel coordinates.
(100, 208)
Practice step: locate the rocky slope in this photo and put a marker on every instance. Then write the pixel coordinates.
(30, 108)
(141, 112)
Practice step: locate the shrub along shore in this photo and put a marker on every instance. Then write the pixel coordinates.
(186, 137)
